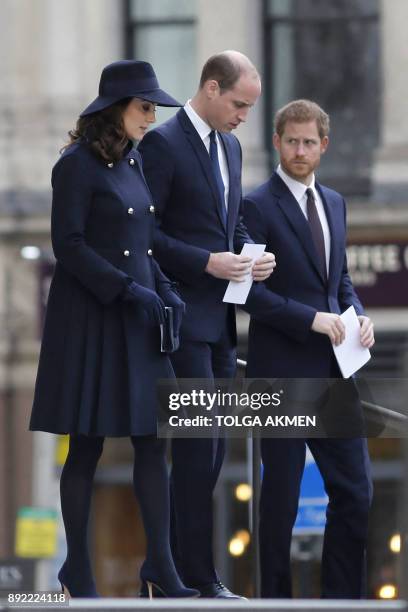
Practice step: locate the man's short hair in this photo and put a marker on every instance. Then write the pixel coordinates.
(302, 111)
(223, 69)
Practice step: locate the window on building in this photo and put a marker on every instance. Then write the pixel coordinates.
(163, 32)
(328, 51)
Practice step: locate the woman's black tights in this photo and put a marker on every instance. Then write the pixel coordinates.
(76, 492)
(151, 485)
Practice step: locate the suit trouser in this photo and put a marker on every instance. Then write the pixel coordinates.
(344, 465)
(196, 464)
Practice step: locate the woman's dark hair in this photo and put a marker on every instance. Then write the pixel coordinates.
(103, 131)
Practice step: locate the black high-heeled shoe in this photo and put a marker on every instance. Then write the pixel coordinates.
(75, 590)
(155, 588)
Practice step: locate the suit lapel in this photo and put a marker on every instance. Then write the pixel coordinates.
(331, 211)
(202, 154)
(297, 220)
(233, 184)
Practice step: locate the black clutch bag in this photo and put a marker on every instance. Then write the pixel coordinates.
(168, 341)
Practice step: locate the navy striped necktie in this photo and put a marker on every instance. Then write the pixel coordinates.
(217, 174)
(316, 230)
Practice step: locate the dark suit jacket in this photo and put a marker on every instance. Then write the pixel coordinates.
(179, 173)
(281, 343)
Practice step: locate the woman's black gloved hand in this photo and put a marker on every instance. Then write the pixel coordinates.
(170, 298)
(150, 301)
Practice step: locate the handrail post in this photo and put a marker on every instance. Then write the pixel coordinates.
(403, 516)
(256, 493)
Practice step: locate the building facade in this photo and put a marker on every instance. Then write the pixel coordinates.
(347, 55)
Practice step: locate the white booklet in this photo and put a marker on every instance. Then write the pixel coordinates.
(350, 355)
(237, 292)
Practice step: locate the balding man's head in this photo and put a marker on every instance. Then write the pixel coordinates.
(229, 87)
(226, 68)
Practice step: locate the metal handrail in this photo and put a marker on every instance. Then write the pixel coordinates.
(394, 417)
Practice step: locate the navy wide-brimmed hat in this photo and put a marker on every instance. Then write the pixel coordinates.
(128, 79)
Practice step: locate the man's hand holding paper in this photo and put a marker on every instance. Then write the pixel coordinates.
(350, 335)
(229, 266)
(261, 264)
(366, 331)
(263, 267)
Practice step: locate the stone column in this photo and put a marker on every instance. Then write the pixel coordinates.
(52, 54)
(237, 24)
(390, 176)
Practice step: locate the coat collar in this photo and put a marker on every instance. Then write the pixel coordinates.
(129, 150)
(198, 123)
(129, 153)
(296, 188)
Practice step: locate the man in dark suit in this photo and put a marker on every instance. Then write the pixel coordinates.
(294, 323)
(192, 164)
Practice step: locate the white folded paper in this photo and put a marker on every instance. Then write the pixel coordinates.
(237, 292)
(350, 355)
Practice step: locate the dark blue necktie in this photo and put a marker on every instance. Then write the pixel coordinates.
(316, 230)
(217, 174)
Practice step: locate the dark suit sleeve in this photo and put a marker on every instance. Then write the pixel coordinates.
(71, 200)
(284, 314)
(241, 235)
(347, 295)
(183, 260)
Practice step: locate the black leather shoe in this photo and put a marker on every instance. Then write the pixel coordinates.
(216, 590)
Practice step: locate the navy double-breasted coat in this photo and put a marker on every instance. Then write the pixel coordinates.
(100, 359)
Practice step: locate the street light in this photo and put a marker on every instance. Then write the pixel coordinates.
(395, 543)
(387, 591)
(30, 252)
(243, 492)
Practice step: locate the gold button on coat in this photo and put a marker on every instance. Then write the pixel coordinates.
(130, 211)
(150, 252)
(126, 253)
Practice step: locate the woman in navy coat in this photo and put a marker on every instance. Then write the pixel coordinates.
(100, 355)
